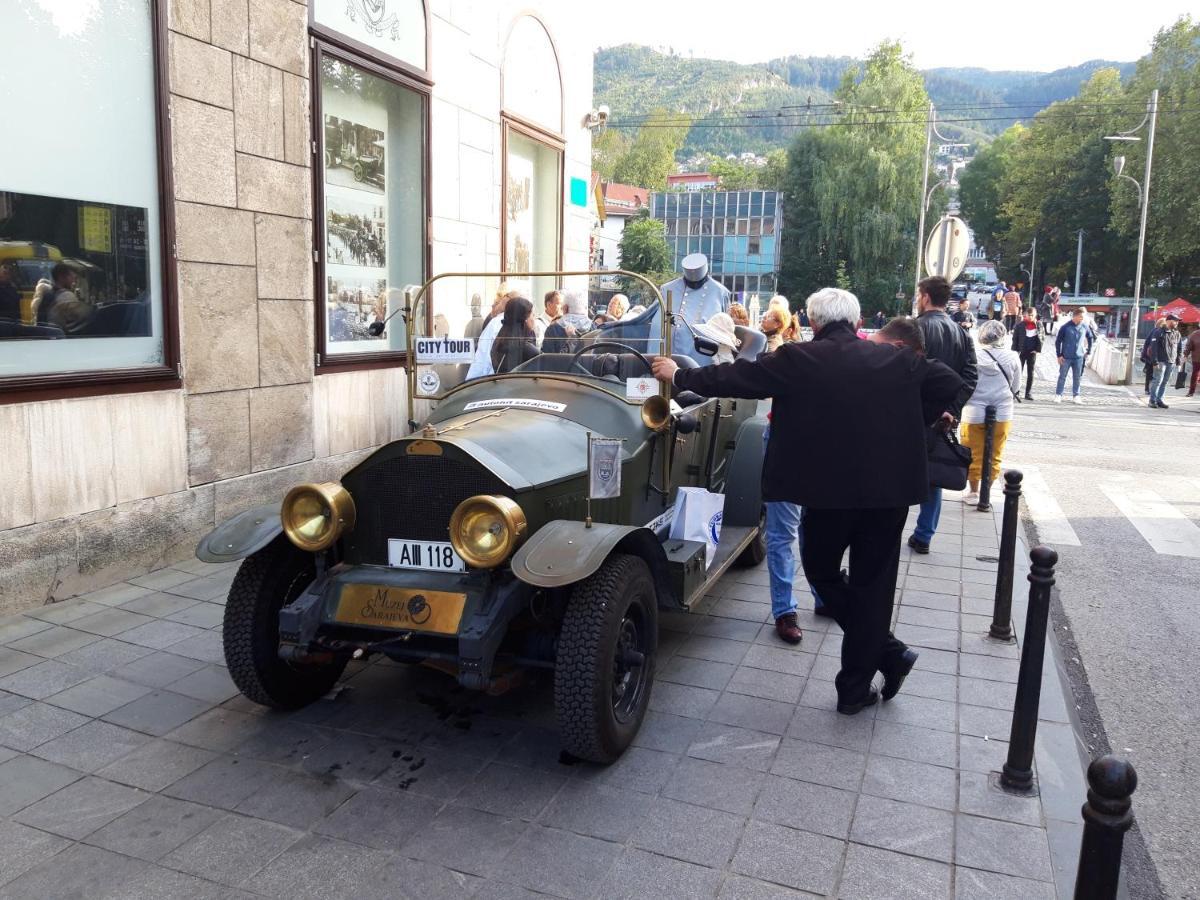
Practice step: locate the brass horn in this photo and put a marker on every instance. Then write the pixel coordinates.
(656, 412)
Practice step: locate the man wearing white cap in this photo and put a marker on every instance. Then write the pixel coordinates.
(695, 297)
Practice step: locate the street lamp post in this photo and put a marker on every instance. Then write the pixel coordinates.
(1144, 201)
(927, 194)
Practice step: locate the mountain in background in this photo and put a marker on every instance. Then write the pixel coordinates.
(635, 80)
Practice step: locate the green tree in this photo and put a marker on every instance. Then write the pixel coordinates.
(851, 192)
(1173, 223)
(651, 157)
(608, 147)
(644, 249)
(979, 190)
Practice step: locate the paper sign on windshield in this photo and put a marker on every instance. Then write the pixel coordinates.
(640, 388)
(445, 350)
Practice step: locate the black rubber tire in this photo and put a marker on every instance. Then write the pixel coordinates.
(583, 676)
(359, 172)
(756, 550)
(266, 581)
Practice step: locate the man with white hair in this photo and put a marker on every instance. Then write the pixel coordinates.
(561, 334)
(847, 443)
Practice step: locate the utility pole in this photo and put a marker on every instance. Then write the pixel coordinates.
(1078, 262)
(1032, 269)
(921, 220)
(1137, 283)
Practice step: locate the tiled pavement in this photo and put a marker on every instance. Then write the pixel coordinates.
(130, 767)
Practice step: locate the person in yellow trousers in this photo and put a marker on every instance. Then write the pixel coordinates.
(999, 377)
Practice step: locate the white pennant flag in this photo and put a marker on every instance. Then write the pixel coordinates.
(604, 479)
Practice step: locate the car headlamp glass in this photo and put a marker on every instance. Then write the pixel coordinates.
(486, 529)
(316, 515)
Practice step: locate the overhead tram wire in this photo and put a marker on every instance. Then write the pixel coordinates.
(782, 121)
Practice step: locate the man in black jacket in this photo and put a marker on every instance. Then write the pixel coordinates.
(949, 343)
(847, 443)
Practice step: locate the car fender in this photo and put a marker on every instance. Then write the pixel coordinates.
(239, 537)
(563, 552)
(743, 484)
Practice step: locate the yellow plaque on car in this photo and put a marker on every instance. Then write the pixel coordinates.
(407, 609)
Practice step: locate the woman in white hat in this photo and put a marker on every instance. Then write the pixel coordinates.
(720, 329)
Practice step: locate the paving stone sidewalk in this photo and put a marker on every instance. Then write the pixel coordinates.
(131, 768)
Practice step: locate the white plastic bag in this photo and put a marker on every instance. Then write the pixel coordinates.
(698, 516)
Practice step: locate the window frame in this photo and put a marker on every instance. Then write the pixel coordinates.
(324, 34)
(166, 375)
(509, 124)
(324, 362)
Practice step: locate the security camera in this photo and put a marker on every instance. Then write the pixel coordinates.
(602, 114)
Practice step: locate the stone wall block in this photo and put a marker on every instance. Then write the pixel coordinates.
(231, 25)
(16, 496)
(285, 342)
(200, 71)
(135, 538)
(71, 446)
(278, 30)
(214, 234)
(295, 120)
(218, 435)
(149, 446)
(258, 108)
(220, 327)
(189, 17)
(35, 560)
(268, 186)
(281, 431)
(202, 146)
(284, 250)
(342, 419)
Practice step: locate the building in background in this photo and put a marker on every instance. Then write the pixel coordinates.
(621, 203)
(692, 181)
(737, 230)
(274, 175)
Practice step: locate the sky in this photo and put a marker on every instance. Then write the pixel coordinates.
(1029, 35)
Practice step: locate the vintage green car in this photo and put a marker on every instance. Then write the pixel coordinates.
(472, 544)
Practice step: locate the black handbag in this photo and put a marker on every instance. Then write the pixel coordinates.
(948, 460)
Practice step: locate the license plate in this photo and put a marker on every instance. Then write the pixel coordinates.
(434, 556)
(410, 609)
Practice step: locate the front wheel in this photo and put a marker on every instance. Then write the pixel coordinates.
(266, 582)
(605, 662)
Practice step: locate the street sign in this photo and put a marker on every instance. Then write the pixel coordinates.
(946, 249)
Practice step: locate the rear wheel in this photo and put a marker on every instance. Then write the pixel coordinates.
(265, 583)
(605, 661)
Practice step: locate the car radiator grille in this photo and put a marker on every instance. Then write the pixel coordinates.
(412, 497)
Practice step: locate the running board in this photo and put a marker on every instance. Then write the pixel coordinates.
(734, 539)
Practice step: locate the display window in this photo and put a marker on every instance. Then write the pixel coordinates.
(531, 227)
(371, 193)
(86, 295)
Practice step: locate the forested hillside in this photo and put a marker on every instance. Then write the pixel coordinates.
(634, 80)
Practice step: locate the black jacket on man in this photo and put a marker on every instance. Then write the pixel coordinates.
(848, 420)
(947, 342)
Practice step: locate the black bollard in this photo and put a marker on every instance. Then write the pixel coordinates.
(1106, 818)
(989, 441)
(1001, 628)
(1017, 774)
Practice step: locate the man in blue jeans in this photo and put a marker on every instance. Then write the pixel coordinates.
(1072, 345)
(1167, 356)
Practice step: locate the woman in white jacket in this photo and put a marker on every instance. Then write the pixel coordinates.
(999, 377)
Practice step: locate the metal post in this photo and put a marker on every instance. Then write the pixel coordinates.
(921, 220)
(1078, 262)
(1137, 279)
(989, 444)
(1017, 774)
(1106, 818)
(1032, 269)
(1001, 628)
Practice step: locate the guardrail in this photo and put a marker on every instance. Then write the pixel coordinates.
(1108, 360)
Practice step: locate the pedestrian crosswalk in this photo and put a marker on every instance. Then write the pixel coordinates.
(1161, 521)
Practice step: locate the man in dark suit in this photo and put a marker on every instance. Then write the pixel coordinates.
(847, 443)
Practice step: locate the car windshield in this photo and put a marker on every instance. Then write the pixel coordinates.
(531, 326)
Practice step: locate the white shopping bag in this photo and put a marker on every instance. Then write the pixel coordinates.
(698, 518)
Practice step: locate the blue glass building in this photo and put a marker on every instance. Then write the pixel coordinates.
(737, 230)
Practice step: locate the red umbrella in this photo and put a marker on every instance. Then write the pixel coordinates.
(1186, 312)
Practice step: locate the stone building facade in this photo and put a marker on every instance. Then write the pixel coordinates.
(249, 393)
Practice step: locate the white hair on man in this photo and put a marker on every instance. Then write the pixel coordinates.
(830, 305)
(573, 303)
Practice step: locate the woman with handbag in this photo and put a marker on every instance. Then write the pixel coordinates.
(999, 376)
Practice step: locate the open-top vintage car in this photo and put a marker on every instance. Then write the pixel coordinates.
(472, 545)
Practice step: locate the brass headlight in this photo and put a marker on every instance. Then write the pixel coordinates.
(315, 515)
(486, 529)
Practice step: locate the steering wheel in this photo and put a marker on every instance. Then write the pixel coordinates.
(624, 347)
